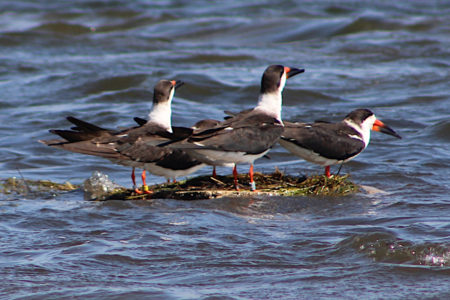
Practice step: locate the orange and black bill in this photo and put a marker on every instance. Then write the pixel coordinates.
(383, 128)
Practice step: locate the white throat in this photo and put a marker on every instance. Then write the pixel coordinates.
(161, 113)
(270, 104)
(364, 129)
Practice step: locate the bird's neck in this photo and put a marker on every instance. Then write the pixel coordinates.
(161, 114)
(363, 131)
(270, 104)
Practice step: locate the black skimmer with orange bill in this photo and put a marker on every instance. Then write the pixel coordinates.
(248, 135)
(135, 146)
(329, 144)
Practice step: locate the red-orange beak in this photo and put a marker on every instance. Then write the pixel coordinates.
(291, 72)
(177, 83)
(383, 128)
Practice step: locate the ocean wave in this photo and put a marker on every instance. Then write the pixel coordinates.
(386, 247)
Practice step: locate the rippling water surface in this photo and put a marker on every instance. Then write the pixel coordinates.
(98, 60)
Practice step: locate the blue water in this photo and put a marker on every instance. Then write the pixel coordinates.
(99, 61)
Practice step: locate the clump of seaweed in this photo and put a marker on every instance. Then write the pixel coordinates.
(322, 185)
(196, 188)
(276, 183)
(33, 187)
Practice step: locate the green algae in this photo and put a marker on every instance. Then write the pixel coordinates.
(201, 187)
(25, 186)
(275, 184)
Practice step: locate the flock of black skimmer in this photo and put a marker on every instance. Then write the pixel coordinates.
(156, 146)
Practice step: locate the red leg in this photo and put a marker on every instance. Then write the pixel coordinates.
(252, 183)
(235, 174)
(327, 171)
(144, 184)
(214, 175)
(133, 179)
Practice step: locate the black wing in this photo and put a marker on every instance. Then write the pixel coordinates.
(251, 132)
(330, 140)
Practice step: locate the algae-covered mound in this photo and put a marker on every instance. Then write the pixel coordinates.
(100, 187)
(33, 187)
(275, 184)
(322, 185)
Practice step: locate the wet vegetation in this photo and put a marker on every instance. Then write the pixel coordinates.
(37, 188)
(275, 184)
(201, 187)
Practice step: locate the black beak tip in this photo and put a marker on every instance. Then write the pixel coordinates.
(388, 130)
(393, 133)
(178, 83)
(294, 71)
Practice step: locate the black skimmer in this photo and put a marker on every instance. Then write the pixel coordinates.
(329, 144)
(248, 135)
(135, 146)
(197, 127)
(203, 125)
